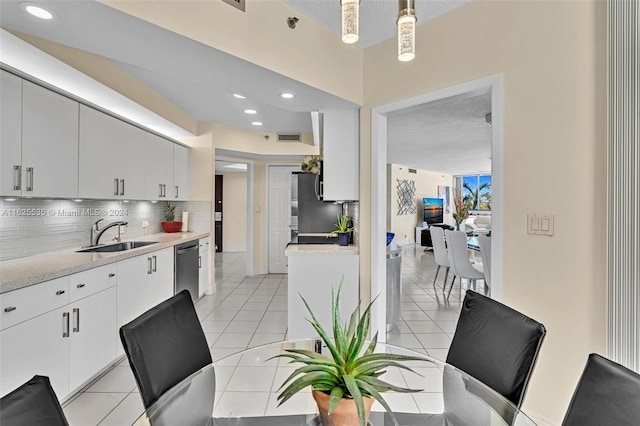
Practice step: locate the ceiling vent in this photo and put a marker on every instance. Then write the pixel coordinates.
(238, 4)
(289, 137)
(414, 171)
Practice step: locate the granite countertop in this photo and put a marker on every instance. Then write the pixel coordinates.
(320, 249)
(26, 271)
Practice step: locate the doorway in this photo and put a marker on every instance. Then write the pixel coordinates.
(492, 84)
(279, 213)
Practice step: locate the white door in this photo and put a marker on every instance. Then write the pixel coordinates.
(279, 216)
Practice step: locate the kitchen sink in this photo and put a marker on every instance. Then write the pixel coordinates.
(128, 245)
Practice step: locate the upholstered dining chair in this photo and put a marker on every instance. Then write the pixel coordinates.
(440, 254)
(607, 394)
(484, 242)
(458, 255)
(33, 403)
(497, 345)
(165, 345)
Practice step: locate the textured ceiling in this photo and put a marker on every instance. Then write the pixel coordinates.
(377, 17)
(449, 136)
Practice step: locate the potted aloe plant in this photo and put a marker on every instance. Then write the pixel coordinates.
(343, 230)
(346, 383)
(170, 225)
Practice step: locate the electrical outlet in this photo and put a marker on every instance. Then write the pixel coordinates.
(122, 228)
(145, 224)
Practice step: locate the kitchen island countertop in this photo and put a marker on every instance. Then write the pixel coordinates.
(26, 271)
(320, 250)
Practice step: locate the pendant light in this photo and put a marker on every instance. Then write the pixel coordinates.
(350, 18)
(406, 30)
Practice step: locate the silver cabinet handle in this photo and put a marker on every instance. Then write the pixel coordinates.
(160, 194)
(176, 191)
(112, 275)
(155, 264)
(148, 266)
(65, 324)
(164, 190)
(122, 188)
(80, 286)
(17, 177)
(76, 320)
(10, 308)
(115, 186)
(59, 292)
(199, 261)
(29, 178)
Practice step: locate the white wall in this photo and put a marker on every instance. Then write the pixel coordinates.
(426, 186)
(234, 211)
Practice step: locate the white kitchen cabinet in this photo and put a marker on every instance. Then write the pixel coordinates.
(93, 336)
(111, 157)
(10, 134)
(161, 278)
(341, 155)
(204, 269)
(180, 172)
(159, 168)
(37, 346)
(49, 143)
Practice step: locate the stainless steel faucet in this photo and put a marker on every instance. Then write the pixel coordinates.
(96, 232)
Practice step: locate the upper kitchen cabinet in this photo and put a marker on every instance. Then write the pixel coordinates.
(180, 172)
(49, 143)
(10, 134)
(341, 155)
(159, 168)
(112, 157)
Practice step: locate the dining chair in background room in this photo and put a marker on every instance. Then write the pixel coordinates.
(607, 394)
(484, 242)
(458, 255)
(497, 345)
(165, 345)
(33, 403)
(440, 254)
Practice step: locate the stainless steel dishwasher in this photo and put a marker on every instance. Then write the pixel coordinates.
(186, 275)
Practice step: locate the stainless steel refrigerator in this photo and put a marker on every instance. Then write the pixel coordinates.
(308, 214)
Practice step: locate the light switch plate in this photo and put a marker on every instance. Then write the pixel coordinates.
(540, 224)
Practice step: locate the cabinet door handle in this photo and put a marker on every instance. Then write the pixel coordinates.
(76, 320)
(29, 178)
(199, 261)
(112, 275)
(17, 177)
(149, 270)
(160, 193)
(155, 264)
(65, 324)
(116, 189)
(122, 188)
(10, 308)
(59, 292)
(80, 286)
(176, 191)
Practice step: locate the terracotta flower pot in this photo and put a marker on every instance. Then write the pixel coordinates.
(171, 227)
(345, 414)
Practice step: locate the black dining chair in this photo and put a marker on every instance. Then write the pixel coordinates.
(32, 404)
(497, 345)
(607, 394)
(165, 345)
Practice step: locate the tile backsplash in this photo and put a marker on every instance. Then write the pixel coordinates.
(34, 226)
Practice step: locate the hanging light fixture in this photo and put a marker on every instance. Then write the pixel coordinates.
(406, 30)
(350, 18)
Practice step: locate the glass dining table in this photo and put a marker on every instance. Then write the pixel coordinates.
(242, 390)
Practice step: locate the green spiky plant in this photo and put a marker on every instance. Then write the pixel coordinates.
(169, 213)
(342, 225)
(350, 372)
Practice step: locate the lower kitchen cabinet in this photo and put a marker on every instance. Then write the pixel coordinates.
(93, 335)
(37, 346)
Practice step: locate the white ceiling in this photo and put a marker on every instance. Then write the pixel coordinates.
(377, 17)
(448, 136)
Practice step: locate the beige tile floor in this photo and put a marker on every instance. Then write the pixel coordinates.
(251, 311)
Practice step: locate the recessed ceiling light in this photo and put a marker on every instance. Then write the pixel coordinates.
(77, 200)
(287, 95)
(256, 123)
(250, 111)
(37, 10)
(239, 96)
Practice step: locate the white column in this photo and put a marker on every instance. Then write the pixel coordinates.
(623, 241)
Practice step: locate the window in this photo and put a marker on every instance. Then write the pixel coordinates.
(476, 191)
